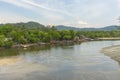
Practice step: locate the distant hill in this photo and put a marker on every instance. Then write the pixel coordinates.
(108, 28)
(113, 27)
(30, 24)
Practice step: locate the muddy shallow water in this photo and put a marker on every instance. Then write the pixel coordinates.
(71, 62)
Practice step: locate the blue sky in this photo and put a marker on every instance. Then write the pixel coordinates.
(78, 13)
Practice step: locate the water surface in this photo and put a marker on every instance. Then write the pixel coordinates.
(69, 62)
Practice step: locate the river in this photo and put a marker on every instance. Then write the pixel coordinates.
(67, 62)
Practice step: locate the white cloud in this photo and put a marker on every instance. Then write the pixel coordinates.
(12, 18)
(30, 4)
(118, 3)
(18, 3)
(82, 23)
(70, 12)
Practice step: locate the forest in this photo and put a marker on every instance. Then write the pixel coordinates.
(12, 35)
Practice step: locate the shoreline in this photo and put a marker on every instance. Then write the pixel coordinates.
(113, 52)
(62, 42)
(59, 42)
(42, 44)
(109, 38)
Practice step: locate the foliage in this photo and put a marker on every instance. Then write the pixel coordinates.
(10, 34)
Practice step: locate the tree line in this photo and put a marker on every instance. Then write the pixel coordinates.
(11, 35)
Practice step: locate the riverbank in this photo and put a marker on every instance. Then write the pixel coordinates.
(42, 43)
(60, 42)
(113, 52)
(109, 38)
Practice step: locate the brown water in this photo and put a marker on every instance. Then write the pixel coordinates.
(68, 62)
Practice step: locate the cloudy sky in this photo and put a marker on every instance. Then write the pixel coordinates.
(78, 13)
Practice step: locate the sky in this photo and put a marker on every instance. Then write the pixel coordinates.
(76, 13)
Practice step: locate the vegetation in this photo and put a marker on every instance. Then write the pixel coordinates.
(12, 34)
(99, 34)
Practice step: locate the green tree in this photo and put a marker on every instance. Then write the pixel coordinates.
(2, 40)
(72, 34)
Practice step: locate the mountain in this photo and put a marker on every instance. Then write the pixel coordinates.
(28, 25)
(32, 24)
(108, 28)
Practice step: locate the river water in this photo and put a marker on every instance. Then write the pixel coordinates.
(67, 62)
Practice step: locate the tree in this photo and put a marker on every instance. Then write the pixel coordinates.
(55, 35)
(5, 42)
(2, 40)
(64, 33)
(67, 37)
(47, 37)
(72, 33)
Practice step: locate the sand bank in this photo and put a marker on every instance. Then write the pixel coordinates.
(113, 52)
(8, 61)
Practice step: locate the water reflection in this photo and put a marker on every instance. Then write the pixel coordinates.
(62, 62)
(8, 52)
(19, 51)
